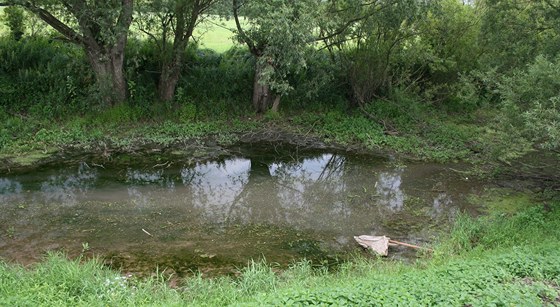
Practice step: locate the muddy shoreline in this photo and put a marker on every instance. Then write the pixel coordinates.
(196, 149)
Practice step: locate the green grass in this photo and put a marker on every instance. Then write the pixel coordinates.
(419, 134)
(497, 260)
(3, 28)
(211, 33)
(216, 34)
(435, 138)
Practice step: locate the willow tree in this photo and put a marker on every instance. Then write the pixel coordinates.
(514, 32)
(100, 26)
(369, 39)
(171, 24)
(277, 33)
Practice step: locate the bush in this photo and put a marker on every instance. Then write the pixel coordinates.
(44, 77)
(14, 18)
(531, 101)
(217, 84)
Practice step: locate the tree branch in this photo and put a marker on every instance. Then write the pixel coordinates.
(54, 22)
(242, 33)
(124, 22)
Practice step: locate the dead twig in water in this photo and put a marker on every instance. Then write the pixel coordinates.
(166, 164)
(146, 232)
(97, 165)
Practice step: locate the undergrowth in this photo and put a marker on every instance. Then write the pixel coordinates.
(434, 138)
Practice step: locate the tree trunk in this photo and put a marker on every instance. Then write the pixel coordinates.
(109, 74)
(168, 81)
(171, 67)
(106, 57)
(262, 96)
(275, 104)
(186, 18)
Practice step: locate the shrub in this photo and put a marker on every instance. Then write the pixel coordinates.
(530, 101)
(44, 77)
(14, 18)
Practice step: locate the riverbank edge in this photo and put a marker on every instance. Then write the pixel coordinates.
(204, 137)
(44, 143)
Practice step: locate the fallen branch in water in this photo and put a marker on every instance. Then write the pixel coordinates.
(380, 244)
(166, 164)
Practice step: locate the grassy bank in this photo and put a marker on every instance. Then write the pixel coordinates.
(499, 259)
(25, 140)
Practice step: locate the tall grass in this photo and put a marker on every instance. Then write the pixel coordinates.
(533, 225)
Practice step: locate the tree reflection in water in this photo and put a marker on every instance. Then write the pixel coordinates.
(329, 197)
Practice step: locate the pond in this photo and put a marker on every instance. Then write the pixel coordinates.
(168, 210)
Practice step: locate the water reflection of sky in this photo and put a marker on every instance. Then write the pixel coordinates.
(10, 191)
(325, 191)
(389, 189)
(66, 187)
(311, 189)
(214, 186)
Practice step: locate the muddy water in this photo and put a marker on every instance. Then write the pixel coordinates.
(165, 210)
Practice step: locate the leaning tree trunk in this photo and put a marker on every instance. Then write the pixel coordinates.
(105, 57)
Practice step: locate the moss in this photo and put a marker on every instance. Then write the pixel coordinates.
(505, 201)
(32, 157)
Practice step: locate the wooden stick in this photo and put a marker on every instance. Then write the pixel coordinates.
(146, 232)
(410, 245)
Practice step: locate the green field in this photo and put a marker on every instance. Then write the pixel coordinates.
(2, 27)
(211, 33)
(215, 34)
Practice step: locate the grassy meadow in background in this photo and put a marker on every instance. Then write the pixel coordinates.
(214, 33)
(3, 28)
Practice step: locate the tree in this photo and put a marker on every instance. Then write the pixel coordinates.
(369, 38)
(171, 24)
(514, 32)
(448, 48)
(277, 33)
(100, 27)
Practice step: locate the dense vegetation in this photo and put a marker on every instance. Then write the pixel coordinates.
(439, 80)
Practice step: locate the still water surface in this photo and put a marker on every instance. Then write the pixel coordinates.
(167, 211)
